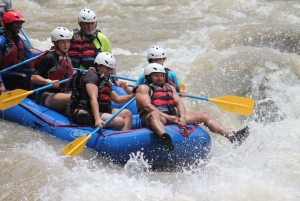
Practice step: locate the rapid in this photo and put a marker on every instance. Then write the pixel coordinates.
(244, 48)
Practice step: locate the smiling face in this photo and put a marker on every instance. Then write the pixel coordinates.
(15, 27)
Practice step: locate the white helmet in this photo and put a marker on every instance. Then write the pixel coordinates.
(156, 52)
(60, 33)
(154, 68)
(106, 59)
(87, 15)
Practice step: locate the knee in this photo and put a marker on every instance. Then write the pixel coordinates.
(154, 115)
(202, 117)
(119, 123)
(127, 113)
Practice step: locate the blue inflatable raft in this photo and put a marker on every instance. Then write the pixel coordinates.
(191, 144)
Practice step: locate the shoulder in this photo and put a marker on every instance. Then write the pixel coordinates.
(171, 73)
(49, 55)
(101, 36)
(91, 76)
(143, 88)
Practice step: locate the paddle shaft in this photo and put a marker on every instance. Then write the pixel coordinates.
(19, 64)
(75, 148)
(114, 115)
(113, 76)
(27, 39)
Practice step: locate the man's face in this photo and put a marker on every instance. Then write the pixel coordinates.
(88, 27)
(16, 27)
(157, 78)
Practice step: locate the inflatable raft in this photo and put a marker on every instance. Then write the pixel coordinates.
(191, 143)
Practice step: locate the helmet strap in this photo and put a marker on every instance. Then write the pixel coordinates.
(57, 48)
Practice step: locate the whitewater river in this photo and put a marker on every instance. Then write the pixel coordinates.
(216, 47)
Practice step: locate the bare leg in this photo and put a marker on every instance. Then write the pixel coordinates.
(116, 123)
(156, 122)
(127, 116)
(58, 101)
(208, 121)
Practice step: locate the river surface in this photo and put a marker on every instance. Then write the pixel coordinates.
(216, 47)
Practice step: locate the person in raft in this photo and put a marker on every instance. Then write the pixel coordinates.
(88, 41)
(52, 67)
(159, 104)
(92, 96)
(157, 54)
(12, 47)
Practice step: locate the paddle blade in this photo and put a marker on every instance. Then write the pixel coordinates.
(76, 147)
(182, 86)
(12, 98)
(235, 104)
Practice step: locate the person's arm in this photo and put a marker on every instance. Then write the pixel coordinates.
(27, 52)
(180, 107)
(44, 65)
(92, 91)
(8, 6)
(120, 99)
(124, 86)
(2, 46)
(2, 87)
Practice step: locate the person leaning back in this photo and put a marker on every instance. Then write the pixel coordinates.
(159, 104)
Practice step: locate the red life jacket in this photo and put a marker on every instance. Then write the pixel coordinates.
(83, 51)
(63, 70)
(13, 53)
(162, 98)
(104, 99)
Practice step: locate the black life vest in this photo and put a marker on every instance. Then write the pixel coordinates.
(13, 53)
(81, 100)
(83, 51)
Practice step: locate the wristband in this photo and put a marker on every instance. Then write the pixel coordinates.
(48, 81)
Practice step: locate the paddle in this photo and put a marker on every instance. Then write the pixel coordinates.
(75, 148)
(19, 64)
(235, 104)
(12, 98)
(27, 39)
